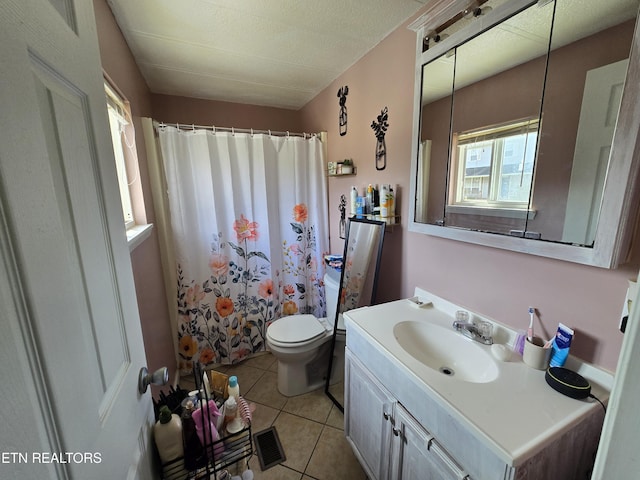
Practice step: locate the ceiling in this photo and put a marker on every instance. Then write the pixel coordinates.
(519, 39)
(278, 53)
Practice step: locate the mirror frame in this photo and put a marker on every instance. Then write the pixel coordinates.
(376, 256)
(620, 194)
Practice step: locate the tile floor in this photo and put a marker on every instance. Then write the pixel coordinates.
(309, 426)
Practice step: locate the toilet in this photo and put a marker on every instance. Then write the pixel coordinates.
(302, 345)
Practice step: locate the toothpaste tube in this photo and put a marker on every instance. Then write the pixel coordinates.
(560, 346)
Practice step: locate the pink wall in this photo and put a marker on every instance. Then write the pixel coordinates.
(121, 68)
(493, 282)
(496, 283)
(382, 78)
(172, 109)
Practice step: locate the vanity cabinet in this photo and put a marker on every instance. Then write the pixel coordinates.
(387, 440)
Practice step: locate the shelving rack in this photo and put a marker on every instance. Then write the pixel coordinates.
(220, 454)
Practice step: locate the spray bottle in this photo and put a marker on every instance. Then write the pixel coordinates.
(354, 200)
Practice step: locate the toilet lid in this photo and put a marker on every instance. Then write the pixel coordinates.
(296, 329)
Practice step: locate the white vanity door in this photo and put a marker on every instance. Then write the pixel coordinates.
(417, 456)
(368, 418)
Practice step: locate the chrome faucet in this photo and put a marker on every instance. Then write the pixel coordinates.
(477, 330)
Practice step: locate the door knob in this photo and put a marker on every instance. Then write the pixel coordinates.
(159, 377)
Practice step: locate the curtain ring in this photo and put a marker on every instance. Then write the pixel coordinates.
(233, 131)
(269, 132)
(287, 133)
(252, 132)
(193, 128)
(213, 128)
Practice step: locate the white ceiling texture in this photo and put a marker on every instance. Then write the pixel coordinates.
(278, 53)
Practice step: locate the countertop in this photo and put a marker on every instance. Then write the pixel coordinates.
(514, 414)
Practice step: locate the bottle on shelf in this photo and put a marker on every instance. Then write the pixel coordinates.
(233, 389)
(232, 420)
(193, 452)
(167, 433)
(384, 201)
(354, 200)
(370, 196)
(230, 409)
(392, 205)
(360, 207)
(205, 421)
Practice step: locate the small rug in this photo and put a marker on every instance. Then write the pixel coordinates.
(268, 448)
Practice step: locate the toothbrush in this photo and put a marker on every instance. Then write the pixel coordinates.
(530, 329)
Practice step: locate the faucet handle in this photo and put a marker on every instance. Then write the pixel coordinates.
(485, 329)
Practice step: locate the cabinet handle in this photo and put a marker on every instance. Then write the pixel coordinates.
(386, 415)
(396, 432)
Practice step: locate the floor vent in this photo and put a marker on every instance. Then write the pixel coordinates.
(268, 448)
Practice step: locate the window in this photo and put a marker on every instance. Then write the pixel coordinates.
(494, 166)
(126, 157)
(118, 114)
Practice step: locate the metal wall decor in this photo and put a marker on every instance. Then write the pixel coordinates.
(342, 119)
(342, 207)
(380, 128)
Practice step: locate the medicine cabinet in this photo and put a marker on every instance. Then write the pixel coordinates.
(526, 121)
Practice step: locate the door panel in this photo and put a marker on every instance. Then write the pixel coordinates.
(368, 419)
(67, 290)
(418, 455)
(64, 118)
(598, 115)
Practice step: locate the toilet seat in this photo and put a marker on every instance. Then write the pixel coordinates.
(295, 330)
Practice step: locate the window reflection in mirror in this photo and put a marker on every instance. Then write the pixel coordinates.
(493, 167)
(499, 84)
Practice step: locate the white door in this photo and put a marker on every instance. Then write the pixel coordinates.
(598, 114)
(71, 345)
(617, 455)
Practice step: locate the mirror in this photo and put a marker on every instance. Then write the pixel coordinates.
(514, 127)
(358, 281)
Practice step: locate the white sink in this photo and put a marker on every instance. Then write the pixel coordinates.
(446, 351)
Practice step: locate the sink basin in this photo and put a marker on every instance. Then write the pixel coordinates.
(446, 351)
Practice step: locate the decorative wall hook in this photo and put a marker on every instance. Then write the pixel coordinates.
(342, 119)
(342, 207)
(380, 129)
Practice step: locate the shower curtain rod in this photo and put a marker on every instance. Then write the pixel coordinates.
(213, 128)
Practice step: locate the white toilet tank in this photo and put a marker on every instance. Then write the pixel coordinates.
(331, 288)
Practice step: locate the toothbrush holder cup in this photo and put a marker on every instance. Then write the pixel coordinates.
(535, 355)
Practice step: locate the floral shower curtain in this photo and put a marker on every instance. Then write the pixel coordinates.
(249, 220)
